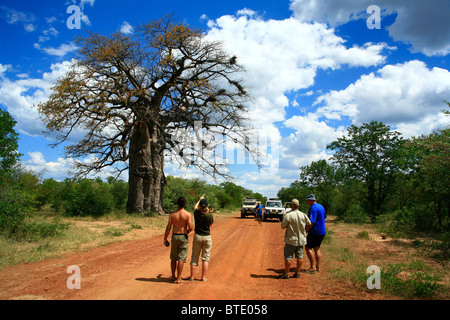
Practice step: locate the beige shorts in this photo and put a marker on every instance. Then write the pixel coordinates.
(201, 244)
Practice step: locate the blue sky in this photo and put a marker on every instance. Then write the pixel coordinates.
(314, 67)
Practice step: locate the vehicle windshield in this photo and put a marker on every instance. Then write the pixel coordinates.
(273, 204)
(249, 203)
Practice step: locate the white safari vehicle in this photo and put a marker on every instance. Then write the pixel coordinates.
(273, 209)
(248, 207)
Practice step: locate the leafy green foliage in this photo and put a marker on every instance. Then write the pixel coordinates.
(87, 198)
(8, 143)
(323, 178)
(19, 195)
(190, 189)
(433, 171)
(297, 190)
(119, 193)
(47, 192)
(376, 174)
(401, 280)
(355, 214)
(11, 213)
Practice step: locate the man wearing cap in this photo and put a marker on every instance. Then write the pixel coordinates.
(317, 216)
(202, 238)
(296, 224)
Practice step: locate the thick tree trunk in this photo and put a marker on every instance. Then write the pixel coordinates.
(146, 177)
(155, 188)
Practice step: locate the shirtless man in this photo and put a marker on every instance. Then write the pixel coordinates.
(181, 221)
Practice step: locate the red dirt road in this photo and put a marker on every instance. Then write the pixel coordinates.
(245, 261)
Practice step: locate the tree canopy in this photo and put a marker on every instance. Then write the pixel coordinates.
(323, 177)
(371, 153)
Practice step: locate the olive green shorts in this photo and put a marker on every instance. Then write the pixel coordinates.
(180, 247)
(290, 251)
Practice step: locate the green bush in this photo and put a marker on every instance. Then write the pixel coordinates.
(404, 217)
(14, 222)
(11, 214)
(441, 247)
(407, 222)
(87, 198)
(191, 190)
(403, 222)
(355, 214)
(418, 284)
(35, 230)
(48, 193)
(424, 285)
(224, 199)
(119, 193)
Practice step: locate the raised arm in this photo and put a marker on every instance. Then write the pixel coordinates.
(198, 202)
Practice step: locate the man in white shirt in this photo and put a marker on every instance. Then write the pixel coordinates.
(297, 225)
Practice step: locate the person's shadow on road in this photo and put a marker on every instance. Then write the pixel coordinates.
(159, 278)
(277, 272)
(268, 276)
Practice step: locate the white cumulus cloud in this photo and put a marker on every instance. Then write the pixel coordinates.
(20, 96)
(126, 28)
(61, 51)
(408, 96)
(282, 56)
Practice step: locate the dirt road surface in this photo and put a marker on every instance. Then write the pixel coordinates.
(245, 261)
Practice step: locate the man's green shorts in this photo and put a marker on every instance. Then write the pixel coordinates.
(290, 251)
(180, 246)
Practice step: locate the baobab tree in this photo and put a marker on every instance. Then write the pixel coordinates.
(129, 96)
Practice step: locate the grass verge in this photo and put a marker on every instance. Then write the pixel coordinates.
(405, 271)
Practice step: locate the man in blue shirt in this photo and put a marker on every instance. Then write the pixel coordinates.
(259, 212)
(316, 233)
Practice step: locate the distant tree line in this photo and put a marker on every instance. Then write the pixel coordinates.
(23, 192)
(95, 197)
